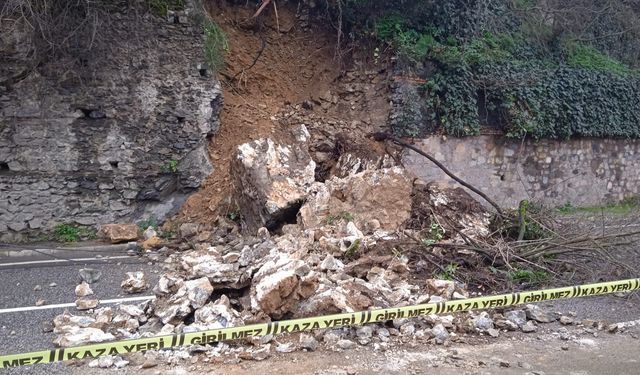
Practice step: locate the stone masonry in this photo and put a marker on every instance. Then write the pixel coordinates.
(582, 172)
(123, 140)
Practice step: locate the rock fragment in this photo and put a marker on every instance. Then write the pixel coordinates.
(135, 282)
(119, 233)
(83, 289)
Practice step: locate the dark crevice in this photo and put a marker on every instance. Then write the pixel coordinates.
(287, 216)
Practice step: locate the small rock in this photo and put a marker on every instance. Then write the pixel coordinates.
(231, 257)
(529, 327)
(483, 322)
(443, 288)
(85, 303)
(135, 282)
(345, 344)
(564, 347)
(285, 348)
(119, 362)
(308, 342)
(440, 333)
(364, 334)
(493, 332)
(149, 233)
(47, 326)
(351, 371)
(188, 230)
(505, 364)
(152, 243)
(407, 329)
(331, 264)
(524, 365)
(534, 312)
(53, 285)
(613, 328)
(566, 320)
(519, 317)
(262, 353)
(102, 362)
(37, 288)
(83, 289)
(90, 275)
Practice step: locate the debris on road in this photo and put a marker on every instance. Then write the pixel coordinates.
(119, 233)
(135, 282)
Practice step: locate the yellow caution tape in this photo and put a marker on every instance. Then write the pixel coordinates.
(308, 324)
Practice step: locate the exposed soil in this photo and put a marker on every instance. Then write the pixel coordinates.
(296, 79)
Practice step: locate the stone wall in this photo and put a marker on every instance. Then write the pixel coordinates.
(121, 138)
(582, 172)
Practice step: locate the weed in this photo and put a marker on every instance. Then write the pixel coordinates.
(72, 233)
(345, 215)
(353, 249)
(623, 207)
(436, 233)
(449, 272)
(527, 276)
(167, 234)
(149, 222)
(216, 45)
(170, 166)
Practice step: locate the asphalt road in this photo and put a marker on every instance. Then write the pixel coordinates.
(23, 330)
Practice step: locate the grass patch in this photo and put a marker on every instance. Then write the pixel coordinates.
(216, 45)
(528, 276)
(625, 207)
(72, 233)
(449, 272)
(586, 57)
(170, 166)
(146, 223)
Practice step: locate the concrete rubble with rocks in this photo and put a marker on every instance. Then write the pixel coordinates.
(226, 278)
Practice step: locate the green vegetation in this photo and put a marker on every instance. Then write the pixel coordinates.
(435, 234)
(528, 276)
(345, 215)
(449, 272)
(353, 249)
(72, 233)
(216, 45)
(627, 206)
(162, 7)
(148, 222)
(170, 166)
(497, 63)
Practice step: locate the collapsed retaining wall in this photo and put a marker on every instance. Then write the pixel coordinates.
(582, 172)
(121, 140)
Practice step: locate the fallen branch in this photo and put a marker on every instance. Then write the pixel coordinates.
(386, 136)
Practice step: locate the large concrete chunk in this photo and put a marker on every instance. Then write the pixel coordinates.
(272, 179)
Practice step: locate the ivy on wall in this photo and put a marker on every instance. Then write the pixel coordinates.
(491, 63)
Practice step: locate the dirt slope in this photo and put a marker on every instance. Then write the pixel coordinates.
(295, 64)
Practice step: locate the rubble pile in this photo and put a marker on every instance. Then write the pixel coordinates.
(328, 262)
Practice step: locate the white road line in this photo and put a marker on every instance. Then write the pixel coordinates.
(61, 305)
(61, 260)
